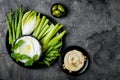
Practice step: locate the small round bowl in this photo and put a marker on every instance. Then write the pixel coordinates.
(86, 63)
(35, 64)
(63, 13)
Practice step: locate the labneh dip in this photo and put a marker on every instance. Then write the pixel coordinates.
(74, 60)
(30, 47)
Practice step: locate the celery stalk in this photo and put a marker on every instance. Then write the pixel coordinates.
(47, 38)
(51, 27)
(43, 31)
(56, 38)
(39, 20)
(54, 44)
(45, 23)
(40, 26)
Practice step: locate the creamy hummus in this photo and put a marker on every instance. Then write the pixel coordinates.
(74, 60)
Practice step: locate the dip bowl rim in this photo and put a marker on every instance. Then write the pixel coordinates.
(86, 63)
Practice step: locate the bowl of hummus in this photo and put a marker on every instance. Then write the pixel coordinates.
(75, 60)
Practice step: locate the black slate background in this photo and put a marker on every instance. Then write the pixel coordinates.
(92, 24)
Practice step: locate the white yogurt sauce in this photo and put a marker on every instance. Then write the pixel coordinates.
(30, 47)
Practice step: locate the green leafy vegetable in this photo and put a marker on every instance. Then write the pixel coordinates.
(18, 44)
(23, 57)
(16, 56)
(29, 63)
(29, 22)
(35, 57)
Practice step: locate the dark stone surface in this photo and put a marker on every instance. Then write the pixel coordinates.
(91, 24)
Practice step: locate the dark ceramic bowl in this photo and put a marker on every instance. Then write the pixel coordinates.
(63, 14)
(86, 64)
(8, 46)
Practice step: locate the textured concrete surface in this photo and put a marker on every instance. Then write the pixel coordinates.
(91, 24)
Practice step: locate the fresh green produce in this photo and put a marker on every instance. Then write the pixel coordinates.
(18, 32)
(18, 56)
(30, 61)
(58, 10)
(61, 8)
(16, 19)
(47, 38)
(14, 24)
(30, 48)
(18, 44)
(43, 31)
(54, 7)
(58, 45)
(29, 22)
(53, 53)
(48, 30)
(56, 38)
(38, 29)
(50, 58)
(9, 30)
(37, 25)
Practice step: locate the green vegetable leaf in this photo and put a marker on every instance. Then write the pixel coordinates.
(23, 57)
(29, 63)
(16, 56)
(13, 55)
(35, 57)
(18, 44)
(17, 59)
